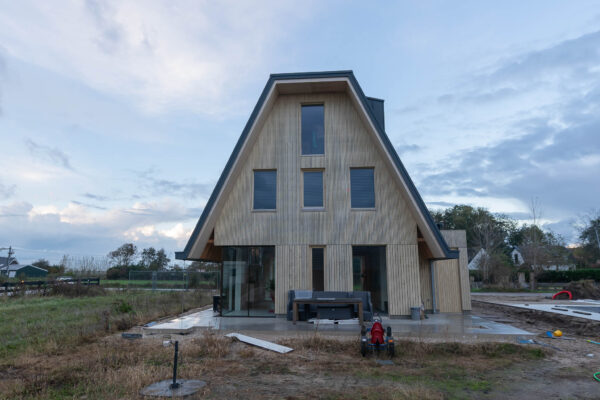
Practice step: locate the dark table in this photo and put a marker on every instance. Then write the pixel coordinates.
(329, 300)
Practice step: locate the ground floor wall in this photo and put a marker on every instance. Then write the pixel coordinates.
(407, 272)
(293, 271)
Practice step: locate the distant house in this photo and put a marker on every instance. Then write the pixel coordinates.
(26, 271)
(516, 257)
(3, 262)
(476, 262)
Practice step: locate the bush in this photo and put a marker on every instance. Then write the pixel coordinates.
(568, 276)
(476, 274)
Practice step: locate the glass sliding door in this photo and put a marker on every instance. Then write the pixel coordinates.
(370, 274)
(248, 281)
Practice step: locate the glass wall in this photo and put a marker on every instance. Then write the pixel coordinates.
(370, 274)
(248, 281)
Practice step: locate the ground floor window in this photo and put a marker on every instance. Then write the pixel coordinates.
(318, 268)
(248, 284)
(370, 274)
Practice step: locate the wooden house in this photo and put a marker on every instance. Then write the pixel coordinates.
(315, 197)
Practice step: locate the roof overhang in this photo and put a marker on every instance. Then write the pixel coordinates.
(313, 82)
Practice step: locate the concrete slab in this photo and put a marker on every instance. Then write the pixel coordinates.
(580, 310)
(187, 387)
(205, 319)
(437, 325)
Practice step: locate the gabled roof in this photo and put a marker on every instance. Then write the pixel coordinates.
(4, 259)
(16, 267)
(373, 115)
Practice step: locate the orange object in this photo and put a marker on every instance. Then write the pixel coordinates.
(563, 292)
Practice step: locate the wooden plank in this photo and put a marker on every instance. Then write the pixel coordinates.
(260, 343)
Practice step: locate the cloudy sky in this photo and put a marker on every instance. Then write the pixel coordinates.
(117, 117)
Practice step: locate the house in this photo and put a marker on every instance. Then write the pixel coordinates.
(516, 257)
(4, 261)
(26, 271)
(315, 197)
(477, 260)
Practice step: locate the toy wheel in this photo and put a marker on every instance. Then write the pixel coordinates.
(363, 349)
(391, 351)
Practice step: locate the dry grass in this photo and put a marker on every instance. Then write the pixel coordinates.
(319, 367)
(51, 324)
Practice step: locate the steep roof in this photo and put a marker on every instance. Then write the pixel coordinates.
(4, 259)
(16, 267)
(372, 113)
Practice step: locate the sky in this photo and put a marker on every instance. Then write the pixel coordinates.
(117, 117)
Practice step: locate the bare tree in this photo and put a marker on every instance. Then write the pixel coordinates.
(534, 247)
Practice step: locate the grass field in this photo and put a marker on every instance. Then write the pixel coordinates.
(162, 284)
(34, 324)
(318, 368)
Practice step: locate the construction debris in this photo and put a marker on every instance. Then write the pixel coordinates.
(584, 289)
(260, 343)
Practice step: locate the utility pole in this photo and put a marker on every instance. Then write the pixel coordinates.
(10, 253)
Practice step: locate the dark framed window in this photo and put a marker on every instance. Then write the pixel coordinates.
(362, 187)
(313, 129)
(313, 189)
(265, 190)
(318, 268)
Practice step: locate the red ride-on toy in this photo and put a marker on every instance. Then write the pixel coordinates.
(377, 341)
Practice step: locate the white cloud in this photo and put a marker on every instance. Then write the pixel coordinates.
(161, 55)
(152, 234)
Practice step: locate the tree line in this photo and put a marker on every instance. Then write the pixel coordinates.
(127, 258)
(499, 234)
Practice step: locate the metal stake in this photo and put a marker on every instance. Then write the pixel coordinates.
(175, 385)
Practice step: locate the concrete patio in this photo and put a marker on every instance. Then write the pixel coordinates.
(438, 325)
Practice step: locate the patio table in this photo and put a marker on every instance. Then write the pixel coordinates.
(329, 300)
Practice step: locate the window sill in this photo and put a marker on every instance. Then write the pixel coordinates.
(321, 209)
(312, 155)
(264, 211)
(363, 209)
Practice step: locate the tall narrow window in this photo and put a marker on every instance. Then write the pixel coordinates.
(313, 129)
(318, 270)
(362, 187)
(265, 190)
(313, 189)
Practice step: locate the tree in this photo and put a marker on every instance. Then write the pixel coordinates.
(154, 260)
(41, 263)
(589, 236)
(484, 230)
(124, 255)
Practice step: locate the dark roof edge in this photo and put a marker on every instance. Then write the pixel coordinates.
(183, 255)
(409, 183)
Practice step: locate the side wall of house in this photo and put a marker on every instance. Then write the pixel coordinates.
(292, 230)
(453, 293)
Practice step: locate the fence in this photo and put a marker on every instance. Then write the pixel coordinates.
(46, 284)
(174, 280)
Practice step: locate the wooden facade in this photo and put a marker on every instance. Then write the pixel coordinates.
(394, 222)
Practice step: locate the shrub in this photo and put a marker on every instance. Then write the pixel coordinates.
(123, 307)
(568, 276)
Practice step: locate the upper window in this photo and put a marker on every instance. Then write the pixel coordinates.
(313, 188)
(313, 129)
(362, 187)
(265, 190)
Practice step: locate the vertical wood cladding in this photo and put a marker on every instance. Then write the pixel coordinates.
(347, 144)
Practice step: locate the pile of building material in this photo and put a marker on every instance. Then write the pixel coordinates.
(584, 289)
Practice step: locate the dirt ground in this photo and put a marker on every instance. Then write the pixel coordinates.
(320, 367)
